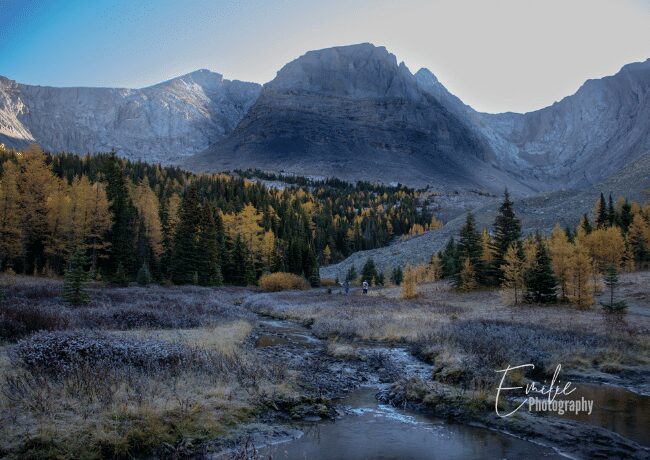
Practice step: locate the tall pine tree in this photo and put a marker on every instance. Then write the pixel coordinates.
(470, 248)
(185, 251)
(209, 264)
(602, 218)
(76, 278)
(540, 281)
(122, 234)
(507, 230)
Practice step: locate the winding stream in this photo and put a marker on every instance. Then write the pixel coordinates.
(370, 430)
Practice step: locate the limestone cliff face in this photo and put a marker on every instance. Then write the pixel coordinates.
(584, 137)
(354, 112)
(575, 142)
(161, 123)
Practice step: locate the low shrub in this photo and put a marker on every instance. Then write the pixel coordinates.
(17, 321)
(65, 351)
(328, 282)
(281, 281)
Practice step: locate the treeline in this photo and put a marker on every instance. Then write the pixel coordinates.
(136, 219)
(570, 265)
(356, 217)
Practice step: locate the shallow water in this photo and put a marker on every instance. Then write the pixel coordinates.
(616, 409)
(375, 431)
(279, 333)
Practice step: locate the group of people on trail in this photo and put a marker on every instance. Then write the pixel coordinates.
(365, 285)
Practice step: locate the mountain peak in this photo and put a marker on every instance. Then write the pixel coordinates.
(203, 77)
(426, 78)
(357, 71)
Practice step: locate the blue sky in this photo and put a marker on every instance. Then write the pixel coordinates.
(496, 55)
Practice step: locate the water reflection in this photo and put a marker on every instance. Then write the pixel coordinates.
(375, 431)
(616, 409)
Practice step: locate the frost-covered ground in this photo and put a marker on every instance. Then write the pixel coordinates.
(172, 371)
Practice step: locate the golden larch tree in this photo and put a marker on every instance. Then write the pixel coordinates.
(409, 283)
(146, 203)
(268, 250)
(100, 224)
(580, 282)
(638, 238)
(246, 223)
(467, 276)
(173, 207)
(10, 218)
(487, 254)
(59, 222)
(327, 254)
(561, 251)
(513, 275)
(36, 183)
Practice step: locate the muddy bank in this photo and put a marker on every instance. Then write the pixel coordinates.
(573, 438)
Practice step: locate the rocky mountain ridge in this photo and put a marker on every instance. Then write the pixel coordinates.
(160, 123)
(353, 112)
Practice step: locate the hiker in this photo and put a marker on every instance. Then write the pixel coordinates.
(347, 287)
(365, 286)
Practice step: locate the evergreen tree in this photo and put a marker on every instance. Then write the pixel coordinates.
(585, 224)
(397, 276)
(143, 278)
(611, 213)
(625, 219)
(76, 278)
(208, 263)
(470, 248)
(169, 212)
(369, 272)
(540, 280)
(602, 219)
(506, 230)
(379, 280)
(242, 270)
(186, 252)
(121, 235)
(120, 277)
(351, 274)
(449, 259)
(312, 273)
(569, 234)
(310, 266)
(143, 247)
(611, 281)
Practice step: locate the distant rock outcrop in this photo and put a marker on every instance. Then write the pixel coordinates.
(161, 123)
(584, 137)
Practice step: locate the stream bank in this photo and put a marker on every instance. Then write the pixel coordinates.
(367, 405)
